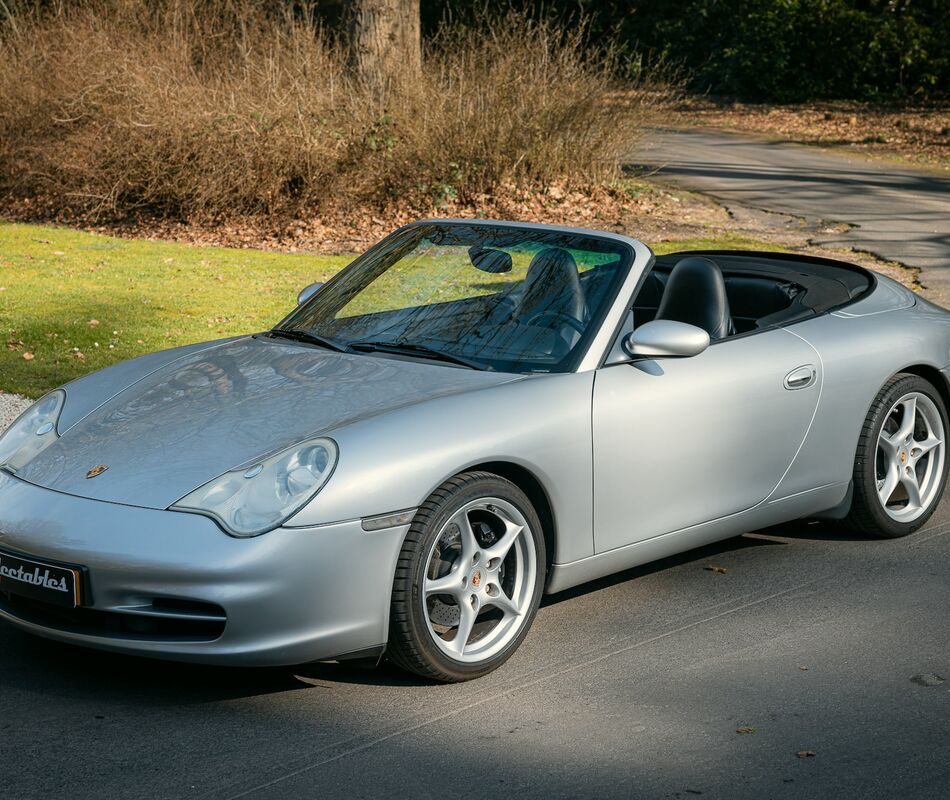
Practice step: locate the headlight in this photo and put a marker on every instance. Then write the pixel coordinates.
(251, 501)
(32, 432)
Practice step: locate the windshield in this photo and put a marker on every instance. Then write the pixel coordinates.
(487, 296)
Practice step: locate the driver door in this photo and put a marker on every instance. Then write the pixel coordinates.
(682, 441)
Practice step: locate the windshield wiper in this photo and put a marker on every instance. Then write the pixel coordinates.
(309, 338)
(411, 349)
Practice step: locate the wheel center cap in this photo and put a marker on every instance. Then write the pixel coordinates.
(477, 579)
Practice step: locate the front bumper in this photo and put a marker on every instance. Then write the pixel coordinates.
(288, 597)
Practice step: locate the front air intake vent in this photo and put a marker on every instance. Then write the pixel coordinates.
(162, 620)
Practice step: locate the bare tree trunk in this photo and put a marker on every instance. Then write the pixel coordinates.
(385, 41)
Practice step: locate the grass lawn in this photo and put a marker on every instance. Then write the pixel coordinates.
(72, 302)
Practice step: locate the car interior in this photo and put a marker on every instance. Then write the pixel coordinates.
(530, 325)
(731, 293)
(727, 293)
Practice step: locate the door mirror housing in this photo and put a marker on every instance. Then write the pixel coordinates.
(665, 338)
(308, 292)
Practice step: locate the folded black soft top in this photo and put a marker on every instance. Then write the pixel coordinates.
(827, 284)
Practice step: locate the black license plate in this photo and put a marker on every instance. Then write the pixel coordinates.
(49, 583)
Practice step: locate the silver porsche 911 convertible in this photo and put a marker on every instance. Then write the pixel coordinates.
(469, 415)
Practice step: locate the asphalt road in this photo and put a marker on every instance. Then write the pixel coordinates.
(637, 686)
(897, 212)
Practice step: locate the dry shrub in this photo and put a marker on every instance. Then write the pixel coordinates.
(518, 102)
(217, 108)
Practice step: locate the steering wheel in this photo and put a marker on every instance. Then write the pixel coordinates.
(571, 322)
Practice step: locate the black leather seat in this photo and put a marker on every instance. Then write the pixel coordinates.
(552, 285)
(696, 294)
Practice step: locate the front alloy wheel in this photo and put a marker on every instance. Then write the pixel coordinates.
(469, 579)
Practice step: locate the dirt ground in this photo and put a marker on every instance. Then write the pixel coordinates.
(640, 207)
(633, 206)
(915, 135)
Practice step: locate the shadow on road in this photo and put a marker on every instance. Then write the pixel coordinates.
(32, 663)
(814, 530)
(690, 556)
(77, 673)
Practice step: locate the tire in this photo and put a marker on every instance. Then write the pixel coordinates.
(495, 563)
(880, 461)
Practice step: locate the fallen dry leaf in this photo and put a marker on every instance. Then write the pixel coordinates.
(28, 356)
(716, 568)
(93, 323)
(929, 679)
(744, 731)
(806, 753)
(354, 228)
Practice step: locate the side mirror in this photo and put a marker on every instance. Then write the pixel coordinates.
(664, 338)
(307, 293)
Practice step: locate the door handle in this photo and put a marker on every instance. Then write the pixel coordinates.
(801, 377)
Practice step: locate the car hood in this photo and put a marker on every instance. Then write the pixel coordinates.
(183, 424)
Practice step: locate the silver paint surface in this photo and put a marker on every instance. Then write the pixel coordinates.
(212, 411)
(291, 596)
(700, 422)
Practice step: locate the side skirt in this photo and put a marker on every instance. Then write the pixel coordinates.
(805, 504)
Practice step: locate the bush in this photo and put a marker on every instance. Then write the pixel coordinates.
(785, 50)
(795, 50)
(211, 108)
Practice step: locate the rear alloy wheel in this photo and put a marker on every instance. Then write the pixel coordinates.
(469, 579)
(901, 467)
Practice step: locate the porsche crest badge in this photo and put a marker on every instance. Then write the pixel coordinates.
(97, 470)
